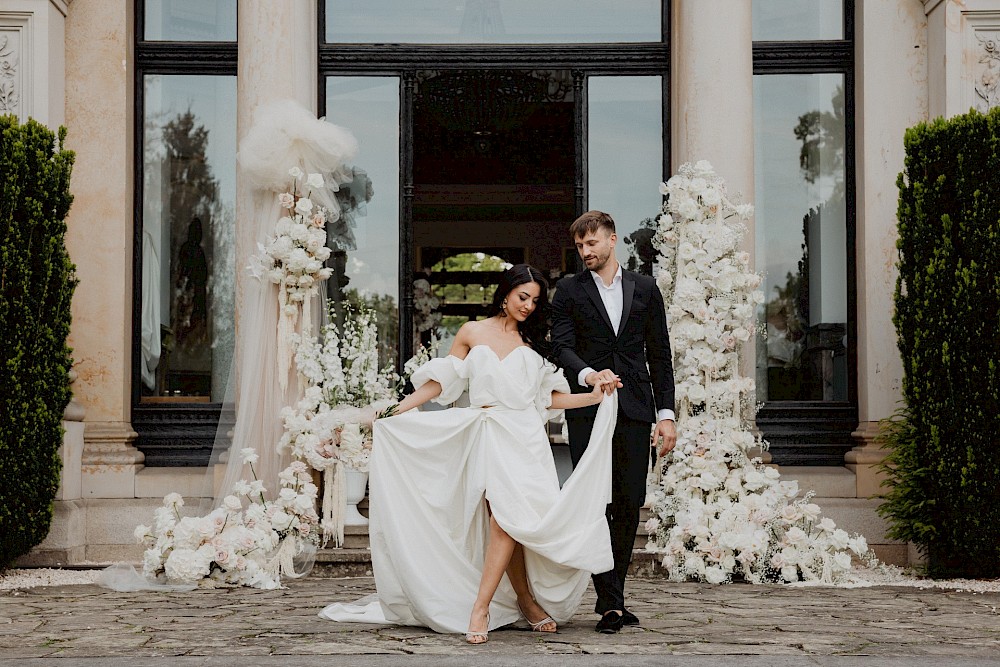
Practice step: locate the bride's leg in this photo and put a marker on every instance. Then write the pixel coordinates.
(518, 576)
(498, 553)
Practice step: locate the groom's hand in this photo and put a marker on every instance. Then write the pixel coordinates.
(666, 431)
(605, 377)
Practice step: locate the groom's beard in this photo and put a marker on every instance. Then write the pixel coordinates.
(597, 262)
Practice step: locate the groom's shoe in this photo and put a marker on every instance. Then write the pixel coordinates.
(610, 623)
(628, 618)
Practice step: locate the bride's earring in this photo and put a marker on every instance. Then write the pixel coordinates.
(503, 308)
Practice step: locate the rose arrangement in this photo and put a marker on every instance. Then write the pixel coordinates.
(292, 258)
(719, 511)
(234, 545)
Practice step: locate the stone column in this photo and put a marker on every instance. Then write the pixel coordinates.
(277, 60)
(99, 93)
(892, 68)
(712, 91)
(712, 99)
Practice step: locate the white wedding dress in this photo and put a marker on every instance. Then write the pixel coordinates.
(431, 473)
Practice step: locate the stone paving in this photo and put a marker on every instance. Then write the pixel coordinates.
(70, 624)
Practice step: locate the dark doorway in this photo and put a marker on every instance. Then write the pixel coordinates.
(494, 164)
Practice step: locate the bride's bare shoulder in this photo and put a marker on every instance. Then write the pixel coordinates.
(465, 339)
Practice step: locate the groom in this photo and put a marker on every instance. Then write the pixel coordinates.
(610, 324)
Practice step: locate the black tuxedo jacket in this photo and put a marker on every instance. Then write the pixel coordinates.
(582, 336)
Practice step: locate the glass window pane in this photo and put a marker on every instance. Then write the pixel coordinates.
(366, 242)
(778, 20)
(188, 226)
(801, 236)
(492, 21)
(625, 160)
(191, 20)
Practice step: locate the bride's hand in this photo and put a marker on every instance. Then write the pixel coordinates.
(601, 388)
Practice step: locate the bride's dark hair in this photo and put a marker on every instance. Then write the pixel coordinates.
(535, 329)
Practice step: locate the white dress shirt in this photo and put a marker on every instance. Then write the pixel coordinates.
(613, 300)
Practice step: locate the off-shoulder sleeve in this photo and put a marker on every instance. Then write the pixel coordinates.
(552, 380)
(450, 372)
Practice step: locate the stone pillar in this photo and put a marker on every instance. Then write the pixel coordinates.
(892, 57)
(712, 99)
(712, 91)
(99, 108)
(277, 60)
(32, 60)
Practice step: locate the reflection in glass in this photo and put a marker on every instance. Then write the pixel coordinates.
(779, 20)
(191, 20)
(801, 236)
(492, 21)
(189, 184)
(625, 160)
(365, 241)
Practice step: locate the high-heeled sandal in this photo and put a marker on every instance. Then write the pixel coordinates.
(475, 634)
(537, 627)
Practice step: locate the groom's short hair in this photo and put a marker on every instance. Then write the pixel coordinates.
(590, 222)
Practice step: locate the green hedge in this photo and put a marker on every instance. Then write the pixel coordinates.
(944, 470)
(37, 281)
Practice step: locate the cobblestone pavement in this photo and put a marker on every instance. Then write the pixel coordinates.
(69, 624)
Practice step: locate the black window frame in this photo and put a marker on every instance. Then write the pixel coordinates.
(405, 60)
(174, 434)
(820, 432)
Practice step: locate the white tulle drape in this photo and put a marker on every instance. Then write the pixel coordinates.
(283, 135)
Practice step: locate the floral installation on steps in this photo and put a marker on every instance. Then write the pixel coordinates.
(235, 545)
(719, 512)
(328, 428)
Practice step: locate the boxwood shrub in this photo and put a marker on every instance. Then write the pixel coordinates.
(37, 281)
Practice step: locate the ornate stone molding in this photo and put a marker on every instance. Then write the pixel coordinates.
(986, 67)
(15, 76)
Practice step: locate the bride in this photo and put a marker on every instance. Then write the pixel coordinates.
(469, 528)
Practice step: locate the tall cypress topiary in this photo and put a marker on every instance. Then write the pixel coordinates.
(944, 469)
(37, 281)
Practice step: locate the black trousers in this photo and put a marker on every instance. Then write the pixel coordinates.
(630, 459)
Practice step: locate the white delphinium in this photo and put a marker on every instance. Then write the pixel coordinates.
(719, 512)
(342, 375)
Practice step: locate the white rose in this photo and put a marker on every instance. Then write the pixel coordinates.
(315, 180)
(286, 199)
(173, 499)
(281, 521)
(304, 206)
(790, 573)
(295, 173)
(249, 455)
(711, 197)
(232, 503)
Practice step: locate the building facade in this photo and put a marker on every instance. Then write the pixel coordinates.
(485, 127)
